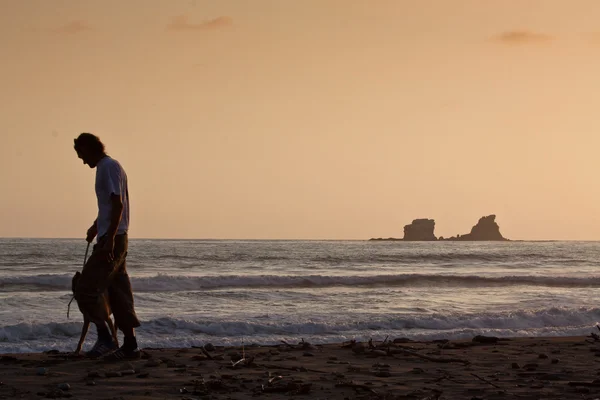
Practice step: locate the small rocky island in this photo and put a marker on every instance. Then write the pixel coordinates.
(485, 229)
(423, 230)
(420, 230)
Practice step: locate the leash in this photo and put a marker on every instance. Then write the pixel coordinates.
(84, 261)
(69, 306)
(86, 253)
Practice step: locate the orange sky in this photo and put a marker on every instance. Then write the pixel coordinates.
(316, 119)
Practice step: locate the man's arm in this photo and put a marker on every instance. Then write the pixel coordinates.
(116, 211)
(113, 184)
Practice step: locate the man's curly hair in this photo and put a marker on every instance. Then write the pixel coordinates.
(90, 141)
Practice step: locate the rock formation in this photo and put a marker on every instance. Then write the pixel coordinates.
(420, 230)
(486, 229)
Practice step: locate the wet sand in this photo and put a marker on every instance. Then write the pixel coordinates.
(523, 368)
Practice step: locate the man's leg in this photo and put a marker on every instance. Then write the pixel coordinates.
(121, 303)
(122, 306)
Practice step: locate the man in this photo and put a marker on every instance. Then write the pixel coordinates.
(106, 267)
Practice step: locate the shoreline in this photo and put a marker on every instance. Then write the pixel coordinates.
(481, 368)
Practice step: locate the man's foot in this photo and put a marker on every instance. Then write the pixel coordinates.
(123, 354)
(101, 348)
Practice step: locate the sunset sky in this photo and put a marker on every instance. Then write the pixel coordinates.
(305, 119)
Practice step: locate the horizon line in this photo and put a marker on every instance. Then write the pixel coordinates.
(294, 239)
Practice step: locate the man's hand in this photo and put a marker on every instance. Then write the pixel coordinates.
(109, 249)
(91, 233)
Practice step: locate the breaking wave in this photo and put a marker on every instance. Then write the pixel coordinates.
(171, 283)
(176, 332)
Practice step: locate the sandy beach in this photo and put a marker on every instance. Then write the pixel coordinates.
(482, 368)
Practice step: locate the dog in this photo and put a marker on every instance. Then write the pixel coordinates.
(98, 314)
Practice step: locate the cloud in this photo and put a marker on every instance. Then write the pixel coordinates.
(181, 23)
(73, 28)
(522, 37)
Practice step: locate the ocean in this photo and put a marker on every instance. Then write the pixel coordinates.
(192, 292)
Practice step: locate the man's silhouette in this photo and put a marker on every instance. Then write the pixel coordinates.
(106, 267)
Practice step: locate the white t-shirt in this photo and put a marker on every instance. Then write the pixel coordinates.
(111, 179)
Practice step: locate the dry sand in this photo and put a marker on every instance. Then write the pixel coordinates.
(525, 368)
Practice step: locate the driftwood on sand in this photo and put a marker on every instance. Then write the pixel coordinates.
(388, 348)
